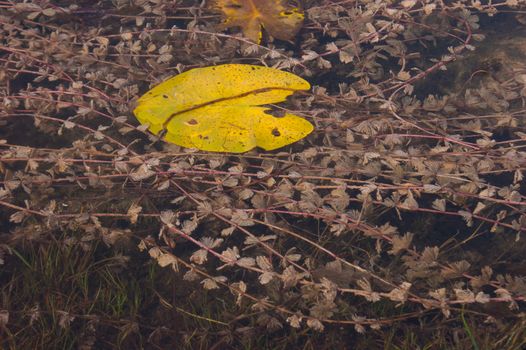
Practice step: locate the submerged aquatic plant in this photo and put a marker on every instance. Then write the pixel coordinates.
(405, 203)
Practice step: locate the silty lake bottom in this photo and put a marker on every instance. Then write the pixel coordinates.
(398, 223)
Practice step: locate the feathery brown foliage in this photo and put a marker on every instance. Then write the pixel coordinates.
(405, 207)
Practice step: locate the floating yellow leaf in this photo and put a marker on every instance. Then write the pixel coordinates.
(279, 20)
(217, 108)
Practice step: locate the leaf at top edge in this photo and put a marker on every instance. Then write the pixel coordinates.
(279, 20)
(214, 108)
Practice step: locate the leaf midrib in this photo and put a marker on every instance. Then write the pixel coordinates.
(208, 103)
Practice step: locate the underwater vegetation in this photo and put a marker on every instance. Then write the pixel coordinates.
(321, 174)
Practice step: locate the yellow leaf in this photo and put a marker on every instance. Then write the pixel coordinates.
(216, 108)
(279, 20)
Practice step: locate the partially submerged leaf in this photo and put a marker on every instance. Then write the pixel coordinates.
(279, 20)
(215, 108)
